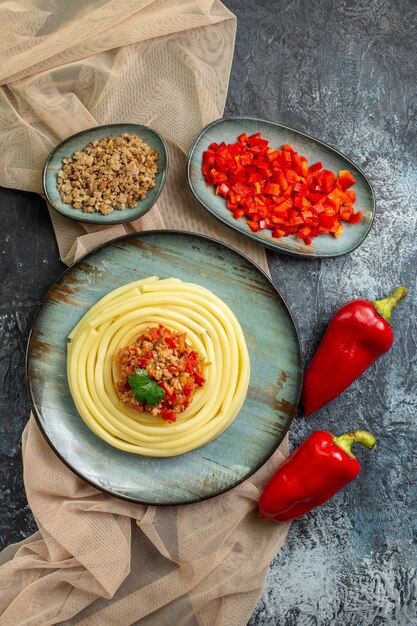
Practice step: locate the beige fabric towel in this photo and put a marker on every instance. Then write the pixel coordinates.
(98, 560)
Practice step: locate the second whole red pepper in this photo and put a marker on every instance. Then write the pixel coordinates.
(312, 474)
(358, 334)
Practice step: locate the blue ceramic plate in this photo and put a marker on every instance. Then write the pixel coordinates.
(228, 130)
(78, 142)
(274, 349)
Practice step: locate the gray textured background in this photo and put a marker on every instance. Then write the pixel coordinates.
(344, 72)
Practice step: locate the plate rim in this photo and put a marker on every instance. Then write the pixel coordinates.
(59, 279)
(276, 247)
(84, 216)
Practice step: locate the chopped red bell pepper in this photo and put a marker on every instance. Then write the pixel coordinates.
(316, 166)
(168, 414)
(356, 217)
(277, 190)
(272, 189)
(346, 179)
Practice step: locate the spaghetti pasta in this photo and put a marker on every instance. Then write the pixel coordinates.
(115, 321)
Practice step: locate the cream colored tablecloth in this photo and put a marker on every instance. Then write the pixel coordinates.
(98, 560)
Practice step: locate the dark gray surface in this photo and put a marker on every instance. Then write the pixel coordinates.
(345, 73)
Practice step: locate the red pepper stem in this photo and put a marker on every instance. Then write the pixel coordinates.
(347, 440)
(384, 307)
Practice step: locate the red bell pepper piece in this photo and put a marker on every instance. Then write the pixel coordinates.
(272, 155)
(346, 179)
(300, 166)
(327, 181)
(218, 177)
(236, 148)
(312, 474)
(254, 226)
(316, 166)
(169, 415)
(358, 334)
(246, 158)
(272, 189)
(355, 217)
(223, 189)
(254, 139)
(199, 380)
(302, 188)
(337, 230)
(281, 180)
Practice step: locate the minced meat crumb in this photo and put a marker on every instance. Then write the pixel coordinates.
(113, 173)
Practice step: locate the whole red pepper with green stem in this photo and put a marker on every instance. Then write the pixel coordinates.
(312, 474)
(358, 334)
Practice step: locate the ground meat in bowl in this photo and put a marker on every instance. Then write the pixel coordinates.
(113, 173)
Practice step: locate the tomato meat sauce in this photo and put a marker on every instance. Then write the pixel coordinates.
(170, 361)
(278, 190)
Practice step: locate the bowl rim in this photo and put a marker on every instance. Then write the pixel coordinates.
(276, 247)
(80, 216)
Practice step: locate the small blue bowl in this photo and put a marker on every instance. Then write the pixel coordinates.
(77, 142)
(324, 246)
